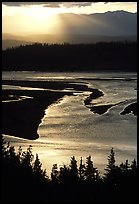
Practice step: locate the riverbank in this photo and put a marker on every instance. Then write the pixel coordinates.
(132, 108)
(24, 108)
(101, 109)
(21, 118)
(25, 103)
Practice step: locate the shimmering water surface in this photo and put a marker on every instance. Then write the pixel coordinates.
(70, 128)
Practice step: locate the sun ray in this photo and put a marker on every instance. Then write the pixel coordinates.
(43, 19)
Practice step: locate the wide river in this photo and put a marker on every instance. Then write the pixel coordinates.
(70, 128)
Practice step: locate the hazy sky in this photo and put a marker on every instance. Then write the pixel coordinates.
(19, 17)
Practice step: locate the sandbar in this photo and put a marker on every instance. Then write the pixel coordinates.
(21, 118)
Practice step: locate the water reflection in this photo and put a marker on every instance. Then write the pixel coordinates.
(70, 128)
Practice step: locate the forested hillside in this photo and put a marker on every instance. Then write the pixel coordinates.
(118, 56)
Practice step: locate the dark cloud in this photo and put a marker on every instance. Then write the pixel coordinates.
(22, 3)
(108, 2)
(78, 4)
(50, 4)
(12, 3)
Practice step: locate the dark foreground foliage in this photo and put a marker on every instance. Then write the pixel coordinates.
(23, 179)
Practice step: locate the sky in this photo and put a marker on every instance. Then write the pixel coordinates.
(20, 17)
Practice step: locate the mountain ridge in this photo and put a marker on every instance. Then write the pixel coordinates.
(83, 28)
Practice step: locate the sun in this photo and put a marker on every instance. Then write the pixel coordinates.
(41, 20)
(33, 19)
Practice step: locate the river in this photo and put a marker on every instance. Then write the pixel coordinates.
(70, 128)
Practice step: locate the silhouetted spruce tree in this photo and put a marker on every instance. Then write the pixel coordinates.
(97, 175)
(27, 171)
(128, 181)
(113, 173)
(13, 157)
(89, 170)
(54, 174)
(111, 162)
(81, 170)
(27, 158)
(124, 166)
(3, 151)
(11, 174)
(19, 179)
(133, 173)
(19, 153)
(73, 169)
(38, 171)
(134, 166)
(64, 174)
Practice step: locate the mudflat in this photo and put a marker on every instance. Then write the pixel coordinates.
(23, 109)
(21, 118)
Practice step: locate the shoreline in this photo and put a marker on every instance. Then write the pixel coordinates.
(101, 109)
(132, 108)
(96, 93)
(21, 118)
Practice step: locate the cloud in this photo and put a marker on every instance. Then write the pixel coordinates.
(12, 3)
(78, 4)
(50, 4)
(22, 3)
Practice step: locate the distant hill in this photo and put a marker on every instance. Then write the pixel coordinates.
(101, 27)
(117, 23)
(12, 43)
(74, 39)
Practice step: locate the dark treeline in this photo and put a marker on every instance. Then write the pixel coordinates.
(118, 56)
(23, 179)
